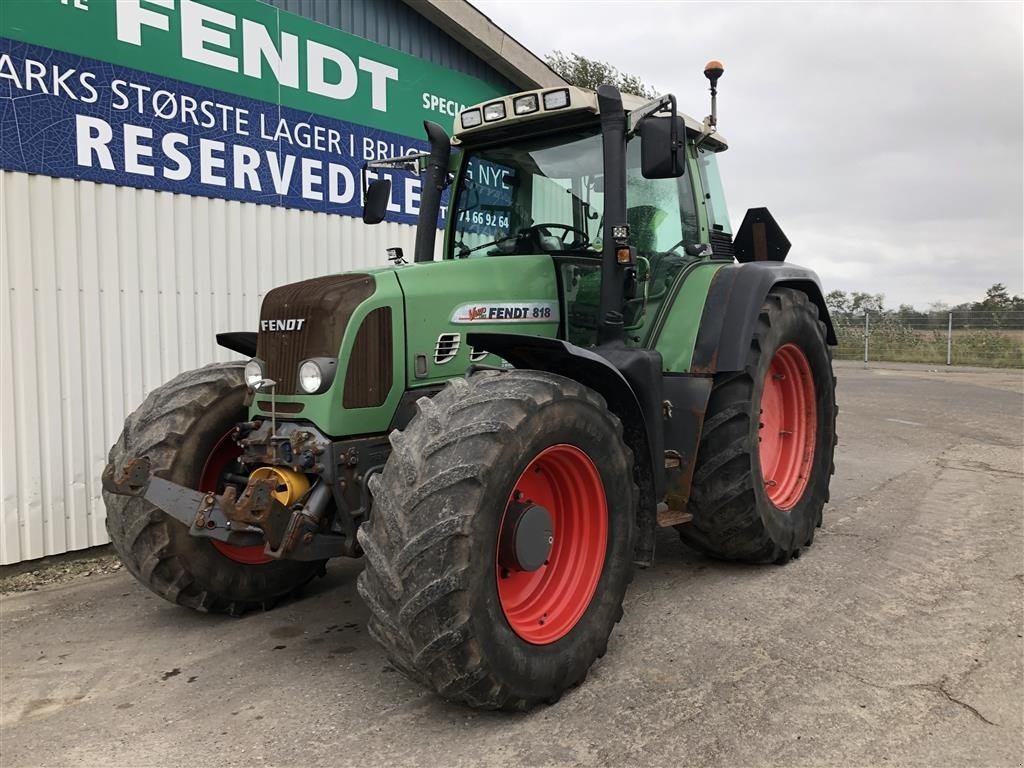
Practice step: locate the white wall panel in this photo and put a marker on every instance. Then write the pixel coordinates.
(107, 293)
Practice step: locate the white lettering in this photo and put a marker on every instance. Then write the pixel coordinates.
(257, 46)
(344, 193)
(195, 35)
(86, 80)
(92, 135)
(311, 177)
(133, 150)
(208, 162)
(412, 195)
(117, 88)
(379, 76)
(281, 177)
(131, 16)
(247, 160)
(34, 72)
(170, 144)
(317, 55)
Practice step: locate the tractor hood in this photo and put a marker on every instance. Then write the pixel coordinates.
(391, 329)
(445, 300)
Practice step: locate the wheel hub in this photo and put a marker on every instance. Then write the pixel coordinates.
(526, 537)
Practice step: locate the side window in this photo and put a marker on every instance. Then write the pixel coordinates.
(714, 196)
(662, 217)
(661, 212)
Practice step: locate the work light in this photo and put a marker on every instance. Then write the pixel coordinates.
(525, 105)
(253, 372)
(495, 111)
(471, 118)
(556, 99)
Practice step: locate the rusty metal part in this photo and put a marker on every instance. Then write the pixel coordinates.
(254, 517)
(689, 397)
(303, 523)
(669, 517)
(131, 480)
(258, 508)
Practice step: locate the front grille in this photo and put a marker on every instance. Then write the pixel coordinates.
(324, 305)
(371, 363)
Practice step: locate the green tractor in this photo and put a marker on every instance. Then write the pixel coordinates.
(501, 432)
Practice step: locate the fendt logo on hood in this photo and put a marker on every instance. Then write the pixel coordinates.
(290, 324)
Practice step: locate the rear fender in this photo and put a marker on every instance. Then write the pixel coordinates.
(732, 307)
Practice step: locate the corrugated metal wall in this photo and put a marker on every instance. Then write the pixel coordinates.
(107, 293)
(396, 25)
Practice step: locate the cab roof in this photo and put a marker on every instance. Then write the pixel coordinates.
(475, 122)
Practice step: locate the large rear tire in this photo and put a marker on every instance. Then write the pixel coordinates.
(459, 600)
(766, 452)
(182, 428)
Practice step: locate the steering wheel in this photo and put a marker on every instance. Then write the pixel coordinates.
(580, 240)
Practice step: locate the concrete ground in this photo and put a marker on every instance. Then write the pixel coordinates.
(896, 639)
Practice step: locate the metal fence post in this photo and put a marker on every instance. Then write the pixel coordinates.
(949, 341)
(865, 337)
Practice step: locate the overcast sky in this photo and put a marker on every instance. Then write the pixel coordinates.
(885, 138)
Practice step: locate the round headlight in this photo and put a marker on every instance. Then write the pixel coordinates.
(310, 377)
(253, 372)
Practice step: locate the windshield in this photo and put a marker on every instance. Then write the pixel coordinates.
(537, 196)
(546, 195)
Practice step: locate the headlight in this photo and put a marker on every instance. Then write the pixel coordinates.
(310, 377)
(253, 372)
(316, 374)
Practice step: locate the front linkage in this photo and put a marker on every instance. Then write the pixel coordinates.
(294, 526)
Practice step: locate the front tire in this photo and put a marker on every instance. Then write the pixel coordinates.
(765, 456)
(451, 606)
(183, 427)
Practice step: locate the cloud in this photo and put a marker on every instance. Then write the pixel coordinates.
(887, 139)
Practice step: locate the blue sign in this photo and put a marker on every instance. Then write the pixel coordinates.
(74, 117)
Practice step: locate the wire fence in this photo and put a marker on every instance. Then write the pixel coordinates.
(960, 337)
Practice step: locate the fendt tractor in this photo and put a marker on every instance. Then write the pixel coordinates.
(500, 432)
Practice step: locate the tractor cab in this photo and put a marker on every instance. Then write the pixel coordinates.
(527, 176)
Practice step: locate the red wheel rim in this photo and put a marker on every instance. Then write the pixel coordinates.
(788, 426)
(543, 606)
(221, 457)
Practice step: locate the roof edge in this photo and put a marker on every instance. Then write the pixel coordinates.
(489, 42)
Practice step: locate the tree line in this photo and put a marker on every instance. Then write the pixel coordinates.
(997, 309)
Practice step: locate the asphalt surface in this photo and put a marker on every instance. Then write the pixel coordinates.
(895, 640)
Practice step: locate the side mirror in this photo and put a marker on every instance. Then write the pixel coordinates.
(662, 147)
(375, 206)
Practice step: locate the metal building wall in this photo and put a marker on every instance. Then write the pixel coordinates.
(396, 25)
(107, 293)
